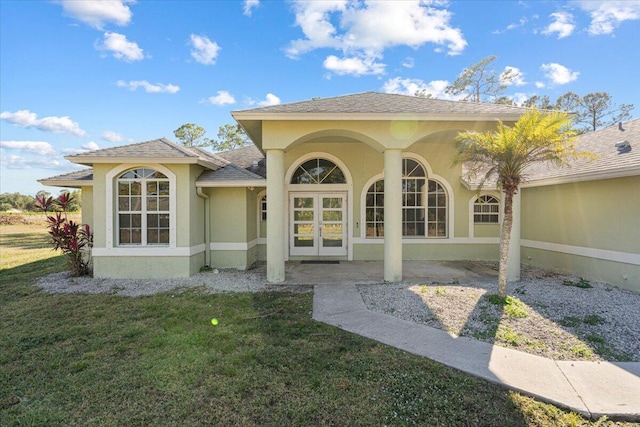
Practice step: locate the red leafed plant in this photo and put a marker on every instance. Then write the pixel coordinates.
(72, 238)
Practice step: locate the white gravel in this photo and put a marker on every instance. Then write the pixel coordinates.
(216, 281)
(562, 322)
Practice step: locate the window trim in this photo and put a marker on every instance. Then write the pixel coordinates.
(111, 205)
(472, 202)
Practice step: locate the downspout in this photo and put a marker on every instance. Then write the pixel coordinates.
(207, 227)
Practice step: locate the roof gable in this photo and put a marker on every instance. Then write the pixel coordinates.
(158, 150)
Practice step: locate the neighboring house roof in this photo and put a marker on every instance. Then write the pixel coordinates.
(609, 163)
(77, 179)
(373, 106)
(157, 151)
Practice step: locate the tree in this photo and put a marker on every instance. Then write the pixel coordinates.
(594, 110)
(229, 137)
(192, 135)
(540, 102)
(505, 154)
(481, 83)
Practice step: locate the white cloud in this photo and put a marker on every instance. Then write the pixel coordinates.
(111, 136)
(91, 146)
(120, 47)
(204, 50)
(540, 85)
(435, 88)
(512, 26)
(27, 119)
(408, 62)
(366, 28)
(148, 87)
(222, 98)
(562, 25)
(519, 98)
(270, 99)
(249, 5)
(19, 162)
(517, 76)
(559, 74)
(355, 66)
(607, 15)
(40, 148)
(99, 13)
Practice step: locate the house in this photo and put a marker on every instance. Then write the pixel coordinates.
(357, 177)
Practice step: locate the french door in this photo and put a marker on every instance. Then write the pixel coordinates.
(318, 224)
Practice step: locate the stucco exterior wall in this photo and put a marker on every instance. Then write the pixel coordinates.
(87, 206)
(571, 227)
(181, 260)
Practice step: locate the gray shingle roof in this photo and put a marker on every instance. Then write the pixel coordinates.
(243, 156)
(229, 173)
(157, 148)
(603, 144)
(385, 103)
(79, 178)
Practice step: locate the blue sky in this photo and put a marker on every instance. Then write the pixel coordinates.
(82, 75)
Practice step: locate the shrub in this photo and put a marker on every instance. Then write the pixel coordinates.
(68, 236)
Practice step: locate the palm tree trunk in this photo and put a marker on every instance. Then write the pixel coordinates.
(505, 238)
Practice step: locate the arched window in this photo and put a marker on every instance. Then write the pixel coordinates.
(486, 210)
(318, 171)
(424, 204)
(143, 208)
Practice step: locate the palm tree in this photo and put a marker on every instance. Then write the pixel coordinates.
(506, 153)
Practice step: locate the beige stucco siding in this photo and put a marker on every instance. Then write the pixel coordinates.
(602, 214)
(228, 215)
(87, 206)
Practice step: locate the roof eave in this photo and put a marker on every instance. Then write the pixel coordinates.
(91, 160)
(66, 183)
(581, 177)
(239, 116)
(232, 183)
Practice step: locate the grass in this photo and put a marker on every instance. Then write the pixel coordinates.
(158, 360)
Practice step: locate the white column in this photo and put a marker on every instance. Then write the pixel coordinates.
(513, 271)
(393, 215)
(275, 216)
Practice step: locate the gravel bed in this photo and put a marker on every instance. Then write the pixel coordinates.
(216, 281)
(562, 322)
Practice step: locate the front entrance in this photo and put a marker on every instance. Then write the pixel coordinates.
(318, 224)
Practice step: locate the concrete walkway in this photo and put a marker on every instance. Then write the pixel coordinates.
(593, 389)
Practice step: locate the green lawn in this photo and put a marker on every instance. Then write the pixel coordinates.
(109, 360)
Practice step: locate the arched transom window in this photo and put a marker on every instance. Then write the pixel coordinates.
(424, 204)
(143, 208)
(318, 171)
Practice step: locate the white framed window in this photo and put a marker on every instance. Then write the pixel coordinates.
(486, 210)
(424, 204)
(143, 210)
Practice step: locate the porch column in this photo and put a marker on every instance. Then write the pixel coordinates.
(275, 216)
(393, 215)
(513, 270)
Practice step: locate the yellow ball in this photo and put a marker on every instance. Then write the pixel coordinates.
(214, 321)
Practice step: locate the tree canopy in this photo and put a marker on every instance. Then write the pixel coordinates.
(480, 82)
(230, 136)
(192, 135)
